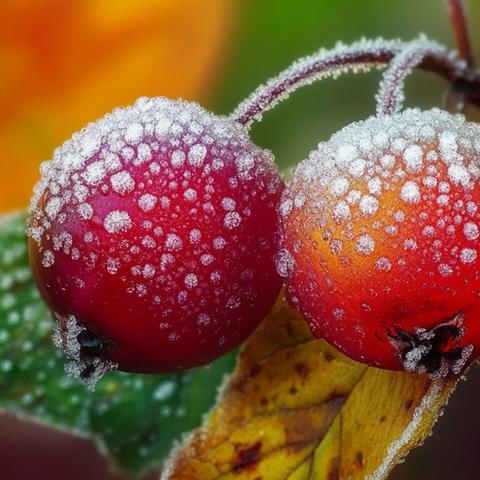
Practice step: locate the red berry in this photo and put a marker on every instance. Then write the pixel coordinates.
(380, 232)
(151, 237)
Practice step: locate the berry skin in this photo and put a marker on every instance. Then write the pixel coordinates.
(379, 246)
(151, 238)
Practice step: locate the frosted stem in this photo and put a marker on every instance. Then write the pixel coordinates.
(391, 94)
(361, 56)
(458, 19)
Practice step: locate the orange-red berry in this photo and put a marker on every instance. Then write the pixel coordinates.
(379, 246)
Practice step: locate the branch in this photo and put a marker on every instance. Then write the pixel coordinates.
(361, 56)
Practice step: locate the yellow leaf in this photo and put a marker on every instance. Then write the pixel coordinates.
(296, 409)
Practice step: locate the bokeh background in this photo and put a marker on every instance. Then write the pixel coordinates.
(64, 63)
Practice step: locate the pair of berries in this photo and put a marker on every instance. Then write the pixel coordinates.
(152, 236)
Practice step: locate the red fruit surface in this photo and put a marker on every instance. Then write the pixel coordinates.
(380, 238)
(153, 227)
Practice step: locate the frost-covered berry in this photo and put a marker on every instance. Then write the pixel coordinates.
(380, 246)
(151, 238)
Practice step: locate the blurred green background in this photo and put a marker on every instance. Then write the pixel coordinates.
(256, 39)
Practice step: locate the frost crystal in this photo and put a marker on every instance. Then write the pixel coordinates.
(117, 221)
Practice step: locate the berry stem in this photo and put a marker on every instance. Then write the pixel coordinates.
(458, 20)
(391, 96)
(361, 56)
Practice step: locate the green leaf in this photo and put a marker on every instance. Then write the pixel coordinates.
(135, 418)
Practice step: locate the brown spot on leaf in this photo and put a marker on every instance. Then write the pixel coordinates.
(359, 459)
(246, 457)
(328, 357)
(334, 470)
(255, 370)
(302, 370)
(408, 404)
(293, 391)
(382, 418)
(263, 401)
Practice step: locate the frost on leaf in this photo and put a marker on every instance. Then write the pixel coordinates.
(296, 408)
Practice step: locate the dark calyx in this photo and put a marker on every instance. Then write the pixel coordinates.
(435, 351)
(92, 347)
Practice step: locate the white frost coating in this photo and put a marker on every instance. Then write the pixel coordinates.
(413, 158)
(383, 264)
(468, 255)
(117, 221)
(134, 133)
(122, 182)
(104, 155)
(228, 204)
(232, 220)
(391, 95)
(284, 263)
(410, 192)
(195, 235)
(173, 242)
(341, 212)
(368, 205)
(426, 200)
(48, 259)
(459, 174)
(340, 186)
(397, 449)
(471, 231)
(219, 243)
(85, 210)
(327, 63)
(53, 207)
(147, 202)
(177, 158)
(190, 195)
(196, 155)
(191, 280)
(445, 270)
(365, 245)
(94, 173)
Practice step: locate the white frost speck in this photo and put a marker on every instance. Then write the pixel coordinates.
(458, 174)
(365, 245)
(368, 205)
(190, 195)
(410, 192)
(339, 186)
(445, 270)
(191, 280)
(468, 255)
(147, 202)
(48, 259)
(228, 204)
(122, 182)
(177, 158)
(471, 231)
(173, 242)
(232, 220)
(284, 263)
(197, 154)
(117, 221)
(413, 158)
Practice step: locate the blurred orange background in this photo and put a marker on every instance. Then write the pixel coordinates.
(67, 62)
